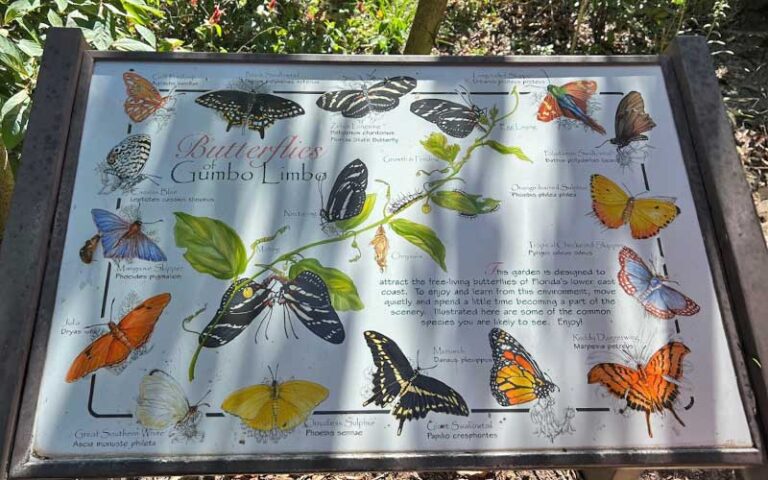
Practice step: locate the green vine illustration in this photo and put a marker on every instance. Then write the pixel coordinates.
(214, 248)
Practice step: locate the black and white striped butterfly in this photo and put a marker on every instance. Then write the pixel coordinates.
(125, 163)
(453, 118)
(256, 111)
(379, 97)
(347, 195)
(306, 297)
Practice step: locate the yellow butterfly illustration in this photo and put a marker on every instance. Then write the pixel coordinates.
(614, 208)
(275, 407)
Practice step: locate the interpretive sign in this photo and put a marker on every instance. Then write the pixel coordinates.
(315, 259)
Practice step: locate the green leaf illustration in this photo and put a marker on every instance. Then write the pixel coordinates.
(508, 150)
(212, 246)
(465, 203)
(350, 223)
(341, 288)
(437, 144)
(423, 237)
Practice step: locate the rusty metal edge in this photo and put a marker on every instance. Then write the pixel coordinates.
(26, 243)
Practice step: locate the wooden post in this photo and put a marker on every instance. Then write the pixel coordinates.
(426, 22)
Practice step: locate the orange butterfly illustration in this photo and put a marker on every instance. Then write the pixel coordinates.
(130, 333)
(143, 98)
(569, 101)
(650, 388)
(614, 208)
(515, 377)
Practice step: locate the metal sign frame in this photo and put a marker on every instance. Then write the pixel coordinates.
(31, 253)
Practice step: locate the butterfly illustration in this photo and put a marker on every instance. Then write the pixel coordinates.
(396, 380)
(649, 388)
(125, 162)
(89, 248)
(275, 407)
(112, 348)
(306, 297)
(614, 208)
(143, 98)
(162, 405)
(452, 118)
(379, 97)
(569, 101)
(124, 239)
(651, 289)
(347, 196)
(256, 111)
(515, 377)
(631, 121)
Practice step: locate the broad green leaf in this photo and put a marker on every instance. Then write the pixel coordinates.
(30, 48)
(213, 247)
(423, 237)
(142, 6)
(10, 55)
(17, 99)
(14, 124)
(507, 150)
(61, 5)
(147, 35)
(99, 36)
(341, 288)
(437, 144)
(54, 19)
(17, 9)
(132, 45)
(169, 44)
(350, 223)
(465, 203)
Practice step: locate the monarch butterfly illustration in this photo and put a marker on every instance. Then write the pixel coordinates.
(651, 289)
(379, 97)
(614, 208)
(396, 380)
(162, 405)
(143, 97)
(515, 377)
(631, 121)
(275, 407)
(648, 388)
(569, 101)
(452, 118)
(112, 348)
(256, 111)
(347, 196)
(124, 239)
(125, 163)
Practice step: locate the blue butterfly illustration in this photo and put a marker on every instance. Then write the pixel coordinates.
(651, 289)
(123, 239)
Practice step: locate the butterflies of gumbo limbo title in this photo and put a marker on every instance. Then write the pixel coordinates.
(515, 377)
(347, 196)
(569, 101)
(379, 97)
(648, 388)
(631, 121)
(305, 296)
(614, 208)
(275, 407)
(651, 289)
(125, 163)
(415, 393)
(123, 239)
(129, 334)
(452, 118)
(162, 405)
(143, 97)
(250, 109)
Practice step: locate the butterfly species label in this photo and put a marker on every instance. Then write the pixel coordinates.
(651, 290)
(614, 208)
(143, 97)
(252, 110)
(114, 347)
(276, 407)
(416, 394)
(124, 239)
(649, 388)
(379, 97)
(569, 101)
(163, 405)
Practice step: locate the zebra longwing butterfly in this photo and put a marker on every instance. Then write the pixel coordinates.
(453, 118)
(379, 97)
(347, 195)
